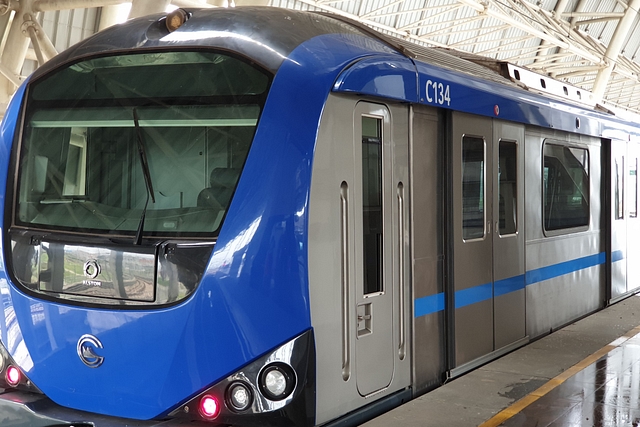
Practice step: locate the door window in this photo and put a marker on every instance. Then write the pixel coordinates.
(372, 203)
(619, 190)
(473, 187)
(633, 189)
(508, 187)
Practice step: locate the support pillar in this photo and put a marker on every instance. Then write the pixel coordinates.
(112, 15)
(613, 50)
(13, 56)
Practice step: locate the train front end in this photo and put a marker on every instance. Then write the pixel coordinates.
(154, 232)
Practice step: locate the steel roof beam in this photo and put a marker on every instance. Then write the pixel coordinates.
(46, 5)
(480, 8)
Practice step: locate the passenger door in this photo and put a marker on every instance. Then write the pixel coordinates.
(487, 290)
(633, 223)
(472, 291)
(381, 168)
(508, 239)
(618, 239)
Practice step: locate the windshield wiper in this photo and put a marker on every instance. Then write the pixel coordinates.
(147, 177)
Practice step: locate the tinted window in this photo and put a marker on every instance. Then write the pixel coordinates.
(372, 203)
(508, 187)
(633, 189)
(90, 128)
(619, 188)
(565, 187)
(473, 187)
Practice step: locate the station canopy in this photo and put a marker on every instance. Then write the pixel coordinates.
(593, 45)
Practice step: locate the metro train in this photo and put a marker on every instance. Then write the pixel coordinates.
(266, 217)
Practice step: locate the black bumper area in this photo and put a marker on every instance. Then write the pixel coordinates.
(20, 409)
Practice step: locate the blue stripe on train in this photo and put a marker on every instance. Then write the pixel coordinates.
(429, 304)
(435, 303)
(556, 270)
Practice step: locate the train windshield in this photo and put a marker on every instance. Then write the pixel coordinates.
(153, 138)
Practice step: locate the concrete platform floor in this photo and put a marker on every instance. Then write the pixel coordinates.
(477, 396)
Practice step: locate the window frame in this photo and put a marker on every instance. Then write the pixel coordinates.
(18, 151)
(517, 184)
(378, 287)
(574, 228)
(633, 188)
(483, 185)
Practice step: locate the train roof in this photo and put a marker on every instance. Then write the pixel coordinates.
(381, 66)
(267, 35)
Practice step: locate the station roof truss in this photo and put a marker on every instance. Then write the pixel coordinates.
(591, 45)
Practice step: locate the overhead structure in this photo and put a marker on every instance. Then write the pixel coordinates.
(590, 44)
(35, 30)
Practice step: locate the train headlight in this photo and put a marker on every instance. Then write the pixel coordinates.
(239, 396)
(277, 381)
(176, 19)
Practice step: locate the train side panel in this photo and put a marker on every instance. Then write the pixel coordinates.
(428, 177)
(565, 252)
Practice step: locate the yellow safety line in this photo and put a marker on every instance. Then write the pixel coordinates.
(518, 406)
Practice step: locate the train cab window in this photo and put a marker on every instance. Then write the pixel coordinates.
(193, 114)
(372, 203)
(473, 187)
(633, 189)
(508, 187)
(565, 187)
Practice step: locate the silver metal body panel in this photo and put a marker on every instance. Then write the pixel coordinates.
(348, 368)
(556, 301)
(427, 195)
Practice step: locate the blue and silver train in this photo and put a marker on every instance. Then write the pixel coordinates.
(265, 217)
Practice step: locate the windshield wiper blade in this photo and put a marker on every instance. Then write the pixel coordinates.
(147, 177)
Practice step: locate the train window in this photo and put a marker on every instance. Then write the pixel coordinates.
(372, 203)
(193, 114)
(565, 187)
(619, 188)
(473, 187)
(633, 189)
(508, 187)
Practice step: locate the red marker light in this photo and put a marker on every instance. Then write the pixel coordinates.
(209, 407)
(13, 376)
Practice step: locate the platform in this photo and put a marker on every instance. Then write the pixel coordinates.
(586, 374)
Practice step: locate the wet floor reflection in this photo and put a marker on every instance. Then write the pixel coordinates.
(606, 393)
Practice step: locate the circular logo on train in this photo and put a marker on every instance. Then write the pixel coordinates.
(86, 348)
(91, 269)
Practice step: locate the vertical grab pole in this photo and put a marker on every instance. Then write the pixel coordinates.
(344, 231)
(401, 284)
